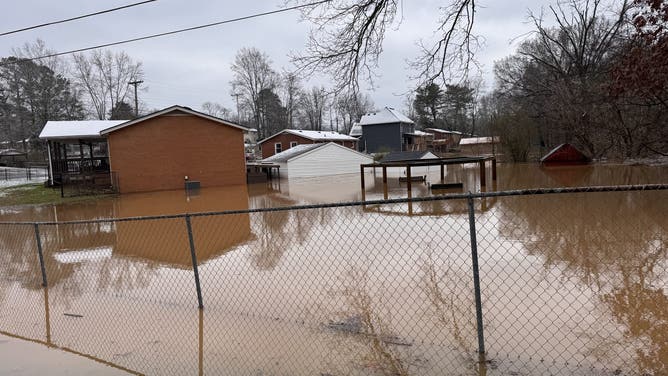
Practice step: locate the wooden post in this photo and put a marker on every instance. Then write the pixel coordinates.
(481, 165)
(494, 169)
(442, 173)
(408, 179)
(385, 182)
(362, 181)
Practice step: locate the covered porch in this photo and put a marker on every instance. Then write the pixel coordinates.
(78, 154)
(80, 160)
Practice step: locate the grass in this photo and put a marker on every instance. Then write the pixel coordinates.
(35, 194)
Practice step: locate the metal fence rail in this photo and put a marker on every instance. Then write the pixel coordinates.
(30, 173)
(544, 281)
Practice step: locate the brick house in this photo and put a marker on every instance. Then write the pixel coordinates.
(150, 153)
(288, 138)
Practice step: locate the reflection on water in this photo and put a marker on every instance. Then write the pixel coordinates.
(578, 279)
(615, 244)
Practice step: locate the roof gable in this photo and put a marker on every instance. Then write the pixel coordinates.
(292, 152)
(176, 110)
(387, 115)
(334, 145)
(565, 153)
(323, 136)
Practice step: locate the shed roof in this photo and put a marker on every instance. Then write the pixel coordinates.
(397, 156)
(387, 115)
(479, 140)
(11, 153)
(565, 153)
(324, 136)
(76, 128)
(420, 134)
(438, 130)
(294, 151)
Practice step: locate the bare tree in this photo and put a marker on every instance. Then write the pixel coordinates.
(38, 48)
(216, 109)
(103, 76)
(559, 75)
(314, 103)
(350, 107)
(347, 40)
(253, 74)
(290, 91)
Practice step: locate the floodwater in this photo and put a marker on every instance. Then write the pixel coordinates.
(571, 284)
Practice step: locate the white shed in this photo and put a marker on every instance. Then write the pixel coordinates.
(310, 160)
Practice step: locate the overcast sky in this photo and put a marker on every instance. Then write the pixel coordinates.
(194, 67)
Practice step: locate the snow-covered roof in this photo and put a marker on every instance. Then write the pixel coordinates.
(387, 115)
(479, 140)
(77, 128)
(421, 134)
(437, 130)
(11, 152)
(324, 136)
(300, 151)
(294, 151)
(355, 130)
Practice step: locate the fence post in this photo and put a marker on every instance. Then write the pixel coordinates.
(194, 260)
(476, 277)
(40, 253)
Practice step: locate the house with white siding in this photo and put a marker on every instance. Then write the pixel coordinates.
(324, 159)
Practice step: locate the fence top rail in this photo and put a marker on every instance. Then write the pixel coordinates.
(454, 196)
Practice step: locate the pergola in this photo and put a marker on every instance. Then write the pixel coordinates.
(408, 164)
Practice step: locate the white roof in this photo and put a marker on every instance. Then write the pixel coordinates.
(478, 140)
(355, 130)
(300, 151)
(420, 133)
(77, 128)
(385, 116)
(314, 135)
(294, 151)
(437, 130)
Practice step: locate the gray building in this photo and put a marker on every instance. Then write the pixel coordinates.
(386, 130)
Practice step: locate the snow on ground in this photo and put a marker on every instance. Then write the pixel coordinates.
(17, 182)
(14, 176)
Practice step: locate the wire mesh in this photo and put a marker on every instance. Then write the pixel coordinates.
(21, 292)
(573, 283)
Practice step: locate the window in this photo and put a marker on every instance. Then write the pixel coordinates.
(278, 148)
(73, 151)
(293, 143)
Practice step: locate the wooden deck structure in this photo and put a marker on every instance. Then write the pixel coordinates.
(481, 161)
(258, 172)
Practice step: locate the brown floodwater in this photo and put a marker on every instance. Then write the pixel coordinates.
(571, 284)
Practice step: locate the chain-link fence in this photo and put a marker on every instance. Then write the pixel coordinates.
(541, 282)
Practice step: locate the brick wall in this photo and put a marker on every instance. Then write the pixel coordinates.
(284, 139)
(158, 153)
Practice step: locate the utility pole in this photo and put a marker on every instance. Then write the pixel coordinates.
(135, 84)
(236, 96)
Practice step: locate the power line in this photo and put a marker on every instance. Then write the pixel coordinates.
(256, 15)
(75, 18)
